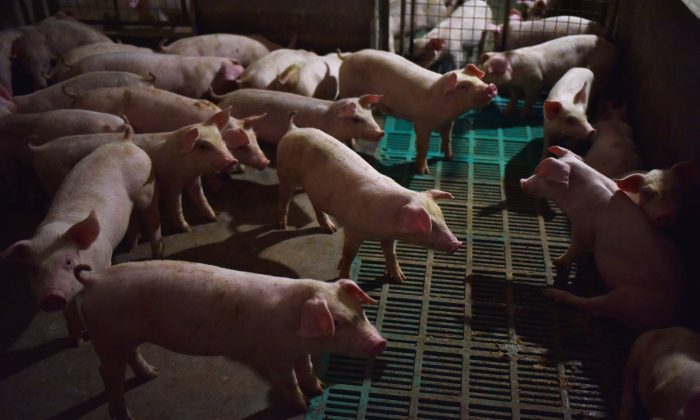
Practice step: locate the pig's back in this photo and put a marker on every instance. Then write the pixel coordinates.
(571, 83)
(183, 306)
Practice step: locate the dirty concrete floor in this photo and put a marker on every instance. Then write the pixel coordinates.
(41, 376)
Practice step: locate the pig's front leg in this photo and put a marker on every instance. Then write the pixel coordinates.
(112, 371)
(282, 375)
(196, 193)
(422, 144)
(531, 94)
(580, 243)
(446, 139)
(351, 244)
(515, 95)
(140, 366)
(308, 381)
(285, 194)
(173, 205)
(324, 220)
(149, 216)
(392, 264)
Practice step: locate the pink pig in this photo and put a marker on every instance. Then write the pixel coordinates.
(639, 264)
(273, 323)
(368, 204)
(431, 100)
(88, 218)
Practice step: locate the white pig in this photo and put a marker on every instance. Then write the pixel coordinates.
(152, 110)
(638, 263)
(663, 192)
(243, 48)
(53, 97)
(461, 31)
(179, 158)
(613, 152)
(188, 76)
(565, 109)
(343, 119)
(431, 100)
(273, 323)
(264, 71)
(88, 218)
(524, 33)
(663, 368)
(528, 70)
(368, 204)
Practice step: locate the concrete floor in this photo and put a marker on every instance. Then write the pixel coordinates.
(42, 377)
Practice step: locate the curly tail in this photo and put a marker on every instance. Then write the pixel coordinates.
(340, 54)
(69, 94)
(161, 44)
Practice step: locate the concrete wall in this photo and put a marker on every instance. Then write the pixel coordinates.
(659, 49)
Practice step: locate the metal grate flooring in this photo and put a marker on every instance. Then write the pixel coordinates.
(470, 334)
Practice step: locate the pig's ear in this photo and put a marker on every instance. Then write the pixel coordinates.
(235, 137)
(484, 57)
(473, 70)
(554, 170)
(440, 195)
(347, 110)
(248, 121)
(366, 101)
(20, 250)
(351, 288)
(413, 219)
(436, 44)
(581, 97)
(290, 76)
(498, 65)
(316, 319)
(690, 169)
(188, 139)
(230, 70)
(551, 109)
(84, 232)
(450, 83)
(220, 119)
(630, 183)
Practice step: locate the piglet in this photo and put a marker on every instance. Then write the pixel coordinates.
(264, 71)
(528, 70)
(88, 218)
(639, 264)
(188, 76)
(243, 48)
(565, 109)
(179, 159)
(662, 193)
(368, 204)
(343, 119)
(524, 33)
(52, 97)
(272, 323)
(663, 369)
(152, 110)
(431, 100)
(613, 152)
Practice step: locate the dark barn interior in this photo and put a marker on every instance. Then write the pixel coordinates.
(474, 315)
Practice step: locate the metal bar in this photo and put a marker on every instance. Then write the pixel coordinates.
(412, 26)
(506, 26)
(384, 24)
(402, 32)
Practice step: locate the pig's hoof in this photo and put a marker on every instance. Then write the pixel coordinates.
(327, 225)
(185, 227)
(448, 156)
(396, 275)
(317, 388)
(423, 170)
(148, 372)
(212, 217)
(281, 225)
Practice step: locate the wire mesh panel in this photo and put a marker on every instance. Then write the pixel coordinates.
(470, 334)
(444, 35)
(124, 14)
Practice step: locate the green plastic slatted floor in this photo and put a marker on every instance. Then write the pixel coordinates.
(470, 334)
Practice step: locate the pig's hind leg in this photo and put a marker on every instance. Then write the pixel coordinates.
(393, 268)
(446, 139)
(196, 193)
(282, 375)
(422, 144)
(140, 366)
(308, 381)
(112, 370)
(324, 220)
(287, 185)
(351, 244)
(149, 215)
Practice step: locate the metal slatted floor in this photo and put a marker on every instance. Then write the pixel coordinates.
(470, 334)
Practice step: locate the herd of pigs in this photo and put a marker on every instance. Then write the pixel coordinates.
(115, 133)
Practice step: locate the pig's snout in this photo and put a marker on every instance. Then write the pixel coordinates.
(591, 133)
(523, 184)
(378, 134)
(53, 301)
(378, 345)
(454, 247)
(230, 163)
(263, 164)
(491, 91)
